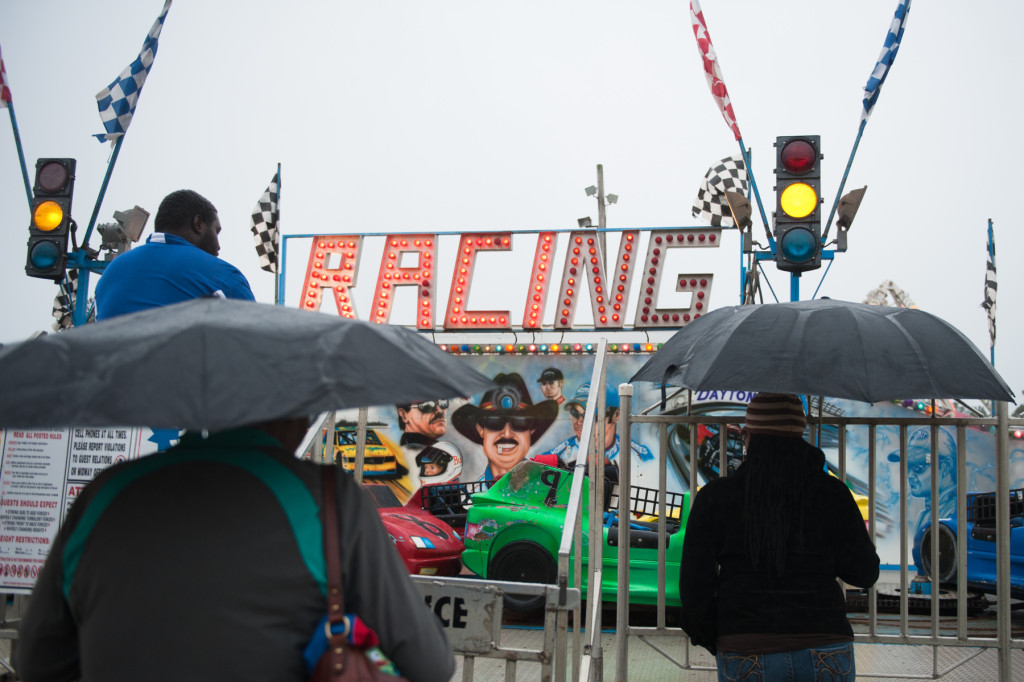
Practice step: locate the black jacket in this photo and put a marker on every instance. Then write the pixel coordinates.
(722, 593)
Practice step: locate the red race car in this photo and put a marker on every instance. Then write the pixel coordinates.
(428, 545)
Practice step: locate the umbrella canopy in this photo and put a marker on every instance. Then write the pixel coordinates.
(828, 348)
(215, 364)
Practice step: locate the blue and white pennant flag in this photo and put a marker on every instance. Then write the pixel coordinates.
(889, 49)
(117, 102)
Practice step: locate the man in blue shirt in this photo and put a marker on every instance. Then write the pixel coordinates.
(177, 263)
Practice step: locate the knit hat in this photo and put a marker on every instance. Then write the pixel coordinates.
(776, 414)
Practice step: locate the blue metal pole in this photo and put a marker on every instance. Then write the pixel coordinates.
(757, 195)
(21, 154)
(794, 286)
(846, 173)
(103, 190)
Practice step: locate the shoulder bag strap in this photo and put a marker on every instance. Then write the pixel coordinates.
(332, 553)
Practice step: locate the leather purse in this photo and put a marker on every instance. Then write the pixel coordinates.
(341, 662)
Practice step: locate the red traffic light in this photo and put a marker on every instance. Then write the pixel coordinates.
(51, 176)
(798, 156)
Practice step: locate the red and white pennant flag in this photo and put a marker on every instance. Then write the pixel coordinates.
(711, 68)
(5, 89)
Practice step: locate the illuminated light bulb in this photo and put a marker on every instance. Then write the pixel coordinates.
(604, 319)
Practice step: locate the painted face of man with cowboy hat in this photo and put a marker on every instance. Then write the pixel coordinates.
(506, 423)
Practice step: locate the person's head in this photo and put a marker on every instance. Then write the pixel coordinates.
(439, 463)
(192, 217)
(506, 423)
(773, 414)
(427, 418)
(577, 409)
(919, 461)
(551, 381)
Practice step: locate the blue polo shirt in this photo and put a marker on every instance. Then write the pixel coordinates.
(167, 269)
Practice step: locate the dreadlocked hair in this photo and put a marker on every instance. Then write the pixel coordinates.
(779, 476)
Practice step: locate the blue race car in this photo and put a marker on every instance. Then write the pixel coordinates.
(980, 545)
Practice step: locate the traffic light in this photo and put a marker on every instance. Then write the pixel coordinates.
(50, 227)
(798, 202)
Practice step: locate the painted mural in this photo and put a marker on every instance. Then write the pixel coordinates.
(537, 411)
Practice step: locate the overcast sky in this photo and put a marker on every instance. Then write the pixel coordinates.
(400, 116)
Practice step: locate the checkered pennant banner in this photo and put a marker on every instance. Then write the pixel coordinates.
(728, 175)
(711, 69)
(264, 226)
(5, 87)
(117, 102)
(889, 49)
(989, 304)
(64, 302)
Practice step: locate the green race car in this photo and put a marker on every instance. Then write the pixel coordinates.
(513, 530)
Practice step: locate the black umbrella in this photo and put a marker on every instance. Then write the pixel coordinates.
(828, 348)
(215, 364)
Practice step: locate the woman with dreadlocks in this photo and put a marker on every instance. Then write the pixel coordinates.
(761, 554)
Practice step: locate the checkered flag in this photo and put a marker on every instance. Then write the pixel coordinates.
(117, 102)
(265, 216)
(728, 175)
(64, 303)
(989, 304)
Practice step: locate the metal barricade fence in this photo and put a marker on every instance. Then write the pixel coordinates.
(938, 635)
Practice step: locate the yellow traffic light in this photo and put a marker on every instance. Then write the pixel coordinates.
(798, 200)
(48, 216)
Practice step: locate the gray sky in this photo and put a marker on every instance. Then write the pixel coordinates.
(405, 116)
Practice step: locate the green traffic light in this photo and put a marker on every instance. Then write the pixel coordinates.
(44, 255)
(798, 245)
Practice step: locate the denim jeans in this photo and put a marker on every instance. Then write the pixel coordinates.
(830, 663)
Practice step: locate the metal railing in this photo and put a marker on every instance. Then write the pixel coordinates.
(938, 635)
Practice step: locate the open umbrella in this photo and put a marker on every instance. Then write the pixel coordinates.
(829, 348)
(215, 364)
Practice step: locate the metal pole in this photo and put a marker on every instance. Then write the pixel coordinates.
(1003, 542)
(277, 227)
(601, 220)
(103, 191)
(757, 195)
(794, 286)
(835, 202)
(21, 154)
(625, 516)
